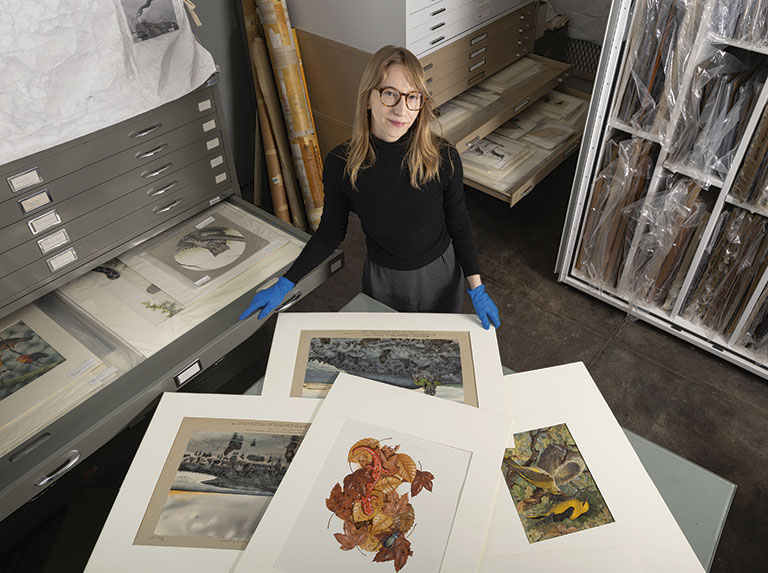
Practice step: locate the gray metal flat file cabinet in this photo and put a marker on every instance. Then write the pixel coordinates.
(127, 257)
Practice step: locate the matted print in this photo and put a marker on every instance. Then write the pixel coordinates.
(575, 496)
(143, 297)
(381, 503)
(372, 451)
(436, 363)
(24, 357)
(198, 256)
(205, 470)
(218, 480)
(553, 489)
(149, 18)
(44, 372)
(447, 356)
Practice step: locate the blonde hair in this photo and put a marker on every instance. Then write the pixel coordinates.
(423, 155)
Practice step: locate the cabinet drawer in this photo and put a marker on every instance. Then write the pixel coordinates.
(67, 210)
(127, 225)
(38, 169)
(416, 5)
(434, 13)
(99, 181)
(185, 182)
(492, 37)
(428, 37)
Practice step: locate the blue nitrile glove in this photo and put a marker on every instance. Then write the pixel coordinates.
(484, 307)
(267, 299)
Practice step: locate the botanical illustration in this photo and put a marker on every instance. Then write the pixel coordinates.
(24, 357)
(551, 485)
(149, 18)
(218, 481)
(140, 295)
(377, 517)
(437, 364)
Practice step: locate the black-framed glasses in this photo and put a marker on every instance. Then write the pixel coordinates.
(390, 97)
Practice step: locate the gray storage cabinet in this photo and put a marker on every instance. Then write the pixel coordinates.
(70, 208)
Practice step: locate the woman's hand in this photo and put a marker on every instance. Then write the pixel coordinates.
(267, 299)
(484, 307)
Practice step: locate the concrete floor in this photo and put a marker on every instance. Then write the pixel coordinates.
(658, 386)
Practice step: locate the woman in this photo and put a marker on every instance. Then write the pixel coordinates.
(406, 186)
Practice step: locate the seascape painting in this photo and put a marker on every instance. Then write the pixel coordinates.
(437, 364)
(149, 18)
(24, 357)
(218, 481)
(551, 485)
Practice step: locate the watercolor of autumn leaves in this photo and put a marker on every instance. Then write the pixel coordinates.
(377, 518)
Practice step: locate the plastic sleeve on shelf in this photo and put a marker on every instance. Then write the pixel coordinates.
(667, 222)
(746, 188)
(622, 182)
(716, 110)
(731, 274)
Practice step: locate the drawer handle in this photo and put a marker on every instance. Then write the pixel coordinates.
(472, 141)
(429, 80)
(72, 458)
(156, 172)
(290, 302)
(478, 52)
(527, 190)
(436, 26)
(146, 131)
(475, 78)
(436, 12)
(436, 40)
(477, 39)
(156, 192)
(151, 152)
(479, 64)
(521, 105)
(428, 67)
(161, 210)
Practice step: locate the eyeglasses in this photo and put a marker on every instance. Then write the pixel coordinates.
(390, 97)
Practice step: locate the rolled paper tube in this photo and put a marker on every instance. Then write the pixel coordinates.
(261, 63)
(285, 65)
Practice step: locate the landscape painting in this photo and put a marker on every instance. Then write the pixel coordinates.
(24, 357)
(551, 485)
(217, 482)
(435, 363)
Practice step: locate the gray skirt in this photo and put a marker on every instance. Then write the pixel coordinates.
(435, 287)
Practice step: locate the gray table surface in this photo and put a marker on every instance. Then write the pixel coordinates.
(698, 499)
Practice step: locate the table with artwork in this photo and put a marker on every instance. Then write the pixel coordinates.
(382, 441)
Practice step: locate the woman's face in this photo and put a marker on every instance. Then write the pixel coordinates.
(391, 123)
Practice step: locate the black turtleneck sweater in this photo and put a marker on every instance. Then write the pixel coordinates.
(405, 228)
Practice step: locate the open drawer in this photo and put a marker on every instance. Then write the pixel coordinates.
(149, 321)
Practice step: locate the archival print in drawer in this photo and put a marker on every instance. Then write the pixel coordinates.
(385, 480)
(43, 372)
(218, 479)
(440, 355)
(196, 257)
(200, 481)
(145, 316)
